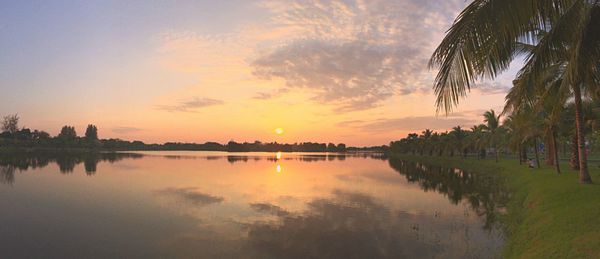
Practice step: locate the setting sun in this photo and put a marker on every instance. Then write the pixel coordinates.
(278, 131)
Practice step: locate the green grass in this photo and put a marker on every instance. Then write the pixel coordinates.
(548, 215)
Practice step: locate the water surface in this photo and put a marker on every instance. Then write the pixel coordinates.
(244, 205)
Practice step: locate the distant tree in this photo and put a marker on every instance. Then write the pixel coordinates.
(10, 123)
(331, 147)
(91, 133)
(38, 135)
(23, 134)
(68, 133)
(341, 147)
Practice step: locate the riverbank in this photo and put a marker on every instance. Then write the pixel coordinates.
(548, 215)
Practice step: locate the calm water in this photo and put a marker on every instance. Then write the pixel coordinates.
(247, 205)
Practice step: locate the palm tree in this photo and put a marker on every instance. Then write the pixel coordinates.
(545, 99)
(477, 140)
(492, 127)
(412, 140)
(485, 38)
(459, 135)
(425, 140)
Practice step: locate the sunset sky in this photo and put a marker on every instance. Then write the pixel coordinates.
(329, 71)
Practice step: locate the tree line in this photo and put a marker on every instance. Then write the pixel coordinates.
(533, 134)
(13, 136)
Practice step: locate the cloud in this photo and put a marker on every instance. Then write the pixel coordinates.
(348, 54)
(190, 105)
(190, 195)
(263, 96)
(269, 209)
(491, 88)
(353, 75)
(271, 95)
(350, 123)
(354, 54)
(125, 130)
(411, 123)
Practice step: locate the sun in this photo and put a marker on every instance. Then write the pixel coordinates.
(278, 131)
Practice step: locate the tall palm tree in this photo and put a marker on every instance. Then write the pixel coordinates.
(545, 99)
(426, 140)
(459, 135)
(492, 127)
(412, 140)
(485, 37)
(477, 138)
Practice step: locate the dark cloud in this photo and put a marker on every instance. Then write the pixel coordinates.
(263, 96)
(354, 54)
(190, 195)
(125, 130)
(190, 105)
(269, 209)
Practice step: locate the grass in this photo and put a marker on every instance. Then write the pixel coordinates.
(548, 215)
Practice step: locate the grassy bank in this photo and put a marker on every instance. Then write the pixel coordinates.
(549, 215)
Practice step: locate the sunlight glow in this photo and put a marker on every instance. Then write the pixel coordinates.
(278, 155)
(278, 131)
(278, 168)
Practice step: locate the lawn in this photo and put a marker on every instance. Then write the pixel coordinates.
(548, 215)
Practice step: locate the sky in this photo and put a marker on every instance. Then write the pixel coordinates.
(351, 71)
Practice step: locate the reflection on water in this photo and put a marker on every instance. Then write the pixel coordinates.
(10, 164)
(209, 205)
(485, 193)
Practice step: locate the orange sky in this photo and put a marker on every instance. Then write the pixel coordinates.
(328, 71)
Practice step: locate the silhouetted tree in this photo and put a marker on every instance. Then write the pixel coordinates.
(10, 123)
(68, 133)
(91, 133)
(331, 147)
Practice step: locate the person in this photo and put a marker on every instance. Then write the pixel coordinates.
(531, 164)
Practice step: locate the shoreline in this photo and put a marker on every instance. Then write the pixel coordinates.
(8, 150)
(548, 215)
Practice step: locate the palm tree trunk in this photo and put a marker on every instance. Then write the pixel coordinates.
(520, 155)
(584, 174)
(537, 154)
(555, 151)
(524, 152)
(497, 154)
(574, 161)
(550, 148)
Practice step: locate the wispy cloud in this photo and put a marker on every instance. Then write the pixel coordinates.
(411, 123)
(125, 130)
(349, 54)
(190, 105)
(269, 208)
(270, 95)
(355, 54)
(492, 88)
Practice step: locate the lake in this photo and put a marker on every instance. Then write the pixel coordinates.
(244, 205)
